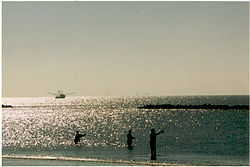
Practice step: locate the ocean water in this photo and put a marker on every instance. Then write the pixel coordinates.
(45, 127)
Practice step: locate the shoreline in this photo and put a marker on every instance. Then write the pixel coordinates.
(56, 161)
(40, 162)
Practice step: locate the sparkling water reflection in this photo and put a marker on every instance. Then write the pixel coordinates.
(49, 125)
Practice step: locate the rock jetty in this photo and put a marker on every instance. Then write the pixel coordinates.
(6, 106)
(203, 106)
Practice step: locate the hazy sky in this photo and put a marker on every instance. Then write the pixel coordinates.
(125, 48)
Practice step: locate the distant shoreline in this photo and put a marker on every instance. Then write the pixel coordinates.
(203, 106)
(6, 106)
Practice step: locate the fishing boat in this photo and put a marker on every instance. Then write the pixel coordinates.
(60, 94)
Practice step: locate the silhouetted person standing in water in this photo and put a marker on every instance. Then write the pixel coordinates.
(130, 139)
(77, 138)
(153, 143)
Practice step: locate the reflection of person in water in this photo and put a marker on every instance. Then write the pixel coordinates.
(130, 139)
(153, 143)
(77, 138)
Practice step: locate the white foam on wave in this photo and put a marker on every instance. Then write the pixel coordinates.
(90, 160)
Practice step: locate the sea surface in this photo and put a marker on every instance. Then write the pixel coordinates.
(45, 128)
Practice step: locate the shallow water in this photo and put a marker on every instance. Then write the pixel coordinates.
(46, 127)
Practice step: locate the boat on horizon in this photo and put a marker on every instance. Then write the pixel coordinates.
(60, 94)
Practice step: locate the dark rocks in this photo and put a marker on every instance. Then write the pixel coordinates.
(7, 106)
(203, 106)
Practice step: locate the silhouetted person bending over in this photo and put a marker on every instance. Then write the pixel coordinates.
(153, 143)
(130, 139)
(77, 138)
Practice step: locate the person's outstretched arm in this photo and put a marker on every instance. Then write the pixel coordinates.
(160, 132)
